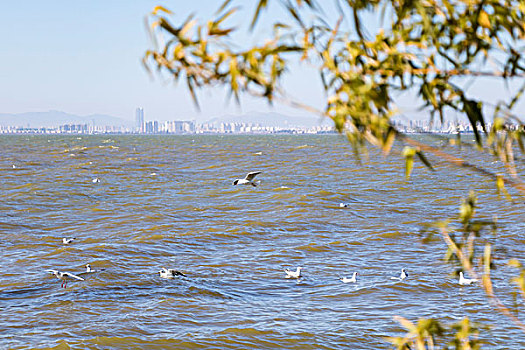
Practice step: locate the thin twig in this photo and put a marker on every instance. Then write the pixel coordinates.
(516, 183)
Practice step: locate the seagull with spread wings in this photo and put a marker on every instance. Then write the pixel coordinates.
(248, 179)
(63, 276)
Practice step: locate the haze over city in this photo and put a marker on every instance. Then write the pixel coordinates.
(85, 57)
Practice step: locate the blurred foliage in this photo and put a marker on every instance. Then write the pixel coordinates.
(520, 280)
(430, 334)
(470, 250)
(435, 48)
(430, 47)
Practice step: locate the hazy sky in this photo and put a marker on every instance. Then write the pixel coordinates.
(84, 57)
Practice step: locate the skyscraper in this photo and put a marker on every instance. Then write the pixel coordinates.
(139, 120)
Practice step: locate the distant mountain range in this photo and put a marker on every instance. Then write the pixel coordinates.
(52, 119)
(56, 118)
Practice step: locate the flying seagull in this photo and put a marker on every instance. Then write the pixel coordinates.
(349, 280)
(466, 281)
(248, 179)
(63, 276)
(293, 274)
(170, 273)
(401, 277)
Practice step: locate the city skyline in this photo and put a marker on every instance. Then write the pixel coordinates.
(262, 125)
(154, 127)
(56, 118)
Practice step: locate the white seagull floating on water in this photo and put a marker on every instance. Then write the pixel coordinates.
(401, 277)
(350, 280)
(293, 274)
(170, 273)
(466, 281)
(67, 240)
(90, 270)
(248, 179)
(63, 276)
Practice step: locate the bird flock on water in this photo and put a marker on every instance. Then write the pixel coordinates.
(171, 273)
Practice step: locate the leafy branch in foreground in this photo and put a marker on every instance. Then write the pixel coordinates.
(435, 48)
(200, 55)
(429, 334)
(464, 252)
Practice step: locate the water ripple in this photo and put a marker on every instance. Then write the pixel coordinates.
(169, 202)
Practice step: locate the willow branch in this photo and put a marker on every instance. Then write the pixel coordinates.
(516, 183)
(452, 72)
(487, 285)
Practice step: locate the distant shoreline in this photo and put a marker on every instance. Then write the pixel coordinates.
(212, 133)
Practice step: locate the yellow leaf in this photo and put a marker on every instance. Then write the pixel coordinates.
(187, 26)
(405, 323)
(154, 24)
(483, 20)
(408, 153)
(389, 142)
(500, 184)
(500, 187)
(498, 124)
(160, 8)
(514, 263)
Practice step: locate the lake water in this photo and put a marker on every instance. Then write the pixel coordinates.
(168, 201)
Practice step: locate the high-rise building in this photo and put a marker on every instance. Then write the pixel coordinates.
(139, 120)
(148, 127)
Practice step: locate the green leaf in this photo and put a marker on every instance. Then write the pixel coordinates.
(190, 82)
(295, 14)
(167, 26)
(226, 15)
(473, 109)
(424, 160)
(408, 153)
(261, 5)
(223, 6)
(467, 208)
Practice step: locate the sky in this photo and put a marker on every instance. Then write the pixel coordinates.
(85, 57)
